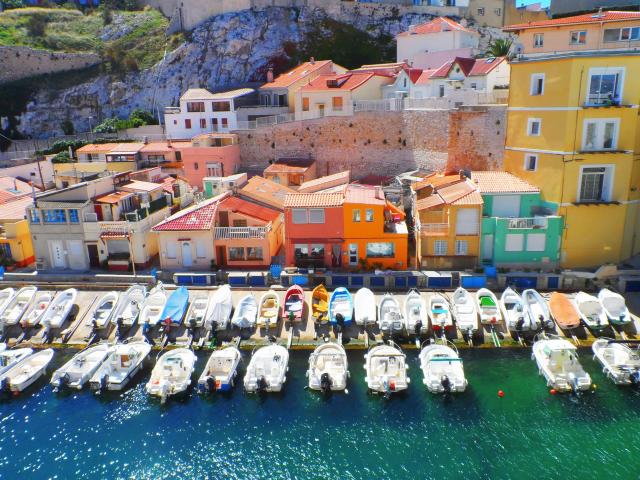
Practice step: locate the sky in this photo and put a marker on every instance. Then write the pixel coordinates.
(545, 3)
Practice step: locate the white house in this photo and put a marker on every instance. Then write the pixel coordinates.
(201, 111)
(405, 80)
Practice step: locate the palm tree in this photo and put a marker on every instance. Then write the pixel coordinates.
(499, 47)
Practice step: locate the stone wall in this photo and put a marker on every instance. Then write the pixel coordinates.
(384, 143)
(23, 62)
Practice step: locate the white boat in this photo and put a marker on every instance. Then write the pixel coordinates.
(537, 309)
(415, 313)
(246, 312)
(591, 311)
(464, 311)
(558, 362)
(41, 304)
(614, 307)
(365, 307)
(442, 369)
(513, 311)
(153, 306)
(269, 309)
(439, 314)
(60, 308)
(6, 295)
(25, 372)
(103, 310)
(172, 373)
(3, 347)
(267, 370)
(129, 305)
(123, 362)
(8, 358)
(17, 306)
(487, 305)
(220, 371)
(220, 312)
(328, 368)
(198, 309)
(389, 315)
(386, 368)
(77, 371)
(619, 362)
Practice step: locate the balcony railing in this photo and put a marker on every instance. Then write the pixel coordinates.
(229, 233)
(171, 110)
(525, 223)
(428, 229)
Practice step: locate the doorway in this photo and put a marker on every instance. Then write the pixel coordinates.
(57, 254)
(94, 258)
(220, 256)
(187, 256)
(353, 254)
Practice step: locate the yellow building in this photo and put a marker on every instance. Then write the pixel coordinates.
(573, 130)
(15, 238)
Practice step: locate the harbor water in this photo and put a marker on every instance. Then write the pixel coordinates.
(527, 434)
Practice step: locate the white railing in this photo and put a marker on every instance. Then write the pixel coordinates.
(171, 110)
(115, 228)
(456, 99)
(228, 233)
(386, 105)
(530, 222)
(434, 228)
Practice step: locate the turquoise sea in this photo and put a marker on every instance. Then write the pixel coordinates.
(527, 434)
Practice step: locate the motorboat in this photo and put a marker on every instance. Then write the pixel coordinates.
(389, 315)
(6, 295)
(293, 304)
(77, 371)
(219, 314)
(246, 312)
(320, 304)
(269, 309)
(619, 362)
(563, 311)
(328, 368)
(487, 305)
(558, 362)
(123, 362)
(267, 369)
(34, 316)
(129, 305)
(153, 306)
(18, 305)
(60, 308)
(340, 307)
(591, 311)
(386, 368)
(176, 306)
(513, 311)
(464, 311)
(25, 372)
(198, 309)
(172, 373)
(537, 309)
(614, 307)
(439, 314)
(442, 369)
(103, 310)
(365, 307)
(220, 371)
(8, 358)
(415, 313)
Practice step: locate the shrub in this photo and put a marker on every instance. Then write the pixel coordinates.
(36, 25)
(107, 126)
(67, 127)
(62, 157)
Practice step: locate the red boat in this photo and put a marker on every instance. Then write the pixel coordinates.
(293, 304)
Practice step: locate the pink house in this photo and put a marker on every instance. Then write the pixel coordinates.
(210, 155)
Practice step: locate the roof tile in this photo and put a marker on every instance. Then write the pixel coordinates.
(292, 76)
(249, 209)
(436, 25)
(322, 183)
(501, 182)
(197, 217)
(610, 16)
(310, 200)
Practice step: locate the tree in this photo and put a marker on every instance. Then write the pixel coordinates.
(499, 47)
(36, 25)
(67, 127)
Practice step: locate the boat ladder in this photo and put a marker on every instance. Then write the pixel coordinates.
(494, 337)
(575, 339)
(366, 338)
(340, 337)
(290, 339)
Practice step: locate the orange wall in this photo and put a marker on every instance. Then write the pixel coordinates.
(333, 229)
(229, 156)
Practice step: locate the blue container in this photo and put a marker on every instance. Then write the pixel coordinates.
(357, 281)
(412, 281)
(400, 282)
(522, 282)
(490, 271)
(553, 283)
(439, 282)
(238, 279)
(275, 270)
(300, 280)
(199, 280)
(473, 282)
(257, 280)
(376, 281)
(183, 279)
(340, 280)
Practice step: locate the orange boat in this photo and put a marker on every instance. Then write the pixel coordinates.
(563, 311)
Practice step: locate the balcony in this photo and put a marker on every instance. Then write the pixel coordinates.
(434, 229)
(231, 233)
(171, 110)
(527, 223)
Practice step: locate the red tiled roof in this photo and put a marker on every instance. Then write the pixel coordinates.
(345, 81)
(310, 200)
(435, 180)
(140, 186)
(167, 184)
(413, 74)
(99, 147)
(15, 209)
(461, 192)
(197, 217)
(364, 194)
(382, 68)
(113, 197)
(501, 182)
(290, 165)
(266, 191)
(301, 71)
(322, 183)
(474, 198)
(14, 186)
(482, 66)
(249, 209)
(436, 25)
(425, 76)
(610, 16)
(465, 64)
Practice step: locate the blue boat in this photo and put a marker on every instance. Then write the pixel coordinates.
(340, 303)
(176, 306)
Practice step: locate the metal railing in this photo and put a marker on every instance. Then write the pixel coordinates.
(434, 228)
(228, 233)
(386, 105)
(525, 223)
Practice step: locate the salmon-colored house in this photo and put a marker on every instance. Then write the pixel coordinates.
(210, 155)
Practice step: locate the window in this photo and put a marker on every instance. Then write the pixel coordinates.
(254, 253)
(317, 251)
(461, 247)
(300, 250)
(33, 214)
(299, 216)
(305, 104)
(530, 162)
(498, 12)
(195, 106)
(622, 34)
(481, 12)
(73, 216)
(196, 166)
(214, 169)
(380, 250)
(5, 250)
(605, 86)
(236, 253)
(221, 106)
(441, 90)
(538, 40)
(474, 86)
(533, 127)
(336, 104)
(172, 250)
(536, 242)
(600, 134)
(203, 123)
(369, 215)
(595, 184)
(239, 223)
(178, 156)
(214, 124)
(316, 215)
(440, 247)
(514, 242)
(225, 122)
(201, 251)
(578, 38)
(187, 123)
(156, 158)
(537, 84)
(54, 216)
(355, 215)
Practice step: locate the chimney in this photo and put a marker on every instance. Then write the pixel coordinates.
(312, 61)
(270, 75)
(462, 175)
(145, 140)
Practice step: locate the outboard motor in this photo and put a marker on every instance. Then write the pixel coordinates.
(325, 383)
(4, 385)
(210, 384)
(340, 321)
(262, 384)
(446, 384)
(118, 328)
(418, 327)
(635, 377)
(146, 333)
(104, 381)
(520, 324)
(64, 380)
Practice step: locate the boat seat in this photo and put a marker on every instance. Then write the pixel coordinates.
(320, 363)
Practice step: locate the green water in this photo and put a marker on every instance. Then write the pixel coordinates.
(299, 434)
